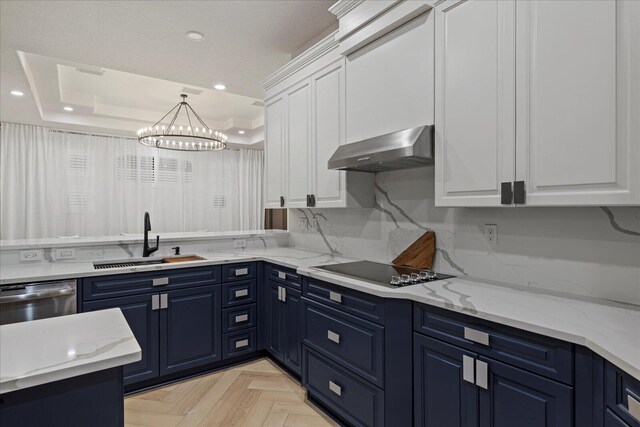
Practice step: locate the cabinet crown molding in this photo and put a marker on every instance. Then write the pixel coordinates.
(313, 53)
(342, 7)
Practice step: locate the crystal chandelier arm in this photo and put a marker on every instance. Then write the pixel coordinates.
(158, 122)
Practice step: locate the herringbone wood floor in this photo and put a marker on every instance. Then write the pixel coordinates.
(256, 394)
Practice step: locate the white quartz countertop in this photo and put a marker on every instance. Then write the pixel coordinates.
(610, 329)
(125, 238)
(48, 350)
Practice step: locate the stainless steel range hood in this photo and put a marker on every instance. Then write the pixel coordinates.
(409, 148)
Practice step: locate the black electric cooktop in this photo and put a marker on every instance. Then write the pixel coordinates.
(391, 276)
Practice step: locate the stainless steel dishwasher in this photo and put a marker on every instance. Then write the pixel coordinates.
(31, 301)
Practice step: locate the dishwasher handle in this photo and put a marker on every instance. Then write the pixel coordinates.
(34, 293)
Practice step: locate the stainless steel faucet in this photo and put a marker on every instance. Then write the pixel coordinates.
(146, 250)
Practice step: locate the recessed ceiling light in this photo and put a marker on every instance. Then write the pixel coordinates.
(68, 108)
(241, 132)
(219, 86)
(194, 35)
(16, 93)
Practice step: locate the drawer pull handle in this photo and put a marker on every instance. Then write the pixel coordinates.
(282, 275)
(332, 336)
(161, 281)
(334, 296)
(242, 293)
(468, 374)
(242, 272)
(242, 318)
(335, 388)
(634, 407)
(476, 336)
(482, 374)
(242, 343)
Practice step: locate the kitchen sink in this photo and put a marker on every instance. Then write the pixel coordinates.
(135, 262)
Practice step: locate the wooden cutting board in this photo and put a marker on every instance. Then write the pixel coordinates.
(419, 254)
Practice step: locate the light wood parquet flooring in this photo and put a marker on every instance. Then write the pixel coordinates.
(253, 394)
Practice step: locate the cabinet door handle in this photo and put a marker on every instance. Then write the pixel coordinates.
(282, 201)
(506, 195)
(155, 302)
(335, 388)
(240, 293)
(519, 196)
(468, 374)
(336, 297)
(476, 336)
(312, 198)
(161, 281)
(482, 374)
(164, 301)
(332, 336)
(279, 293)
(282, 275)
(284, 294)
(242, 343)
(242, 318)
(242, 272)
(634, 406)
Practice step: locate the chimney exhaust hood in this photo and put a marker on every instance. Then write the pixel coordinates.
(409, 148)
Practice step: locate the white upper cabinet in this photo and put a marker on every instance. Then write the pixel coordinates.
(552, 118)
(475, 101)
(328, 134)
(275, 145)
(578, 68)
(389, 82)
(299, 144)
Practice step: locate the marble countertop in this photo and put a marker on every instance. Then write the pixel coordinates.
(610, 329)
(47, 350)
(125, 238)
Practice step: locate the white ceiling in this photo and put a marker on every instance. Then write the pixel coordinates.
(147, 58)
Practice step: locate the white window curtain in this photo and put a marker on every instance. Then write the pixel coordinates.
(57, 183)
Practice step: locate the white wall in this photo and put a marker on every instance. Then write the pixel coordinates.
(576, 250)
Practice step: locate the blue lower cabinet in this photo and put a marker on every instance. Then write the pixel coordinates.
(442, 395)
(190, 329)
(143, 321)
(237, 318)
(621, 393)
(292, 343)
(514, 397)
(356, 401)
(239, 343)
(283, 316)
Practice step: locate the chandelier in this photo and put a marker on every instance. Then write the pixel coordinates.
(170, 136)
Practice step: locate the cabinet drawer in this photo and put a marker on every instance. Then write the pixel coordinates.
(283, 275)
(239, 343)
(542, 355)
(233, 272)
(354, 343)
(356, 401)
(352, 302)
(243, 317)
(137, 283)
(238, 293)
(621, 394)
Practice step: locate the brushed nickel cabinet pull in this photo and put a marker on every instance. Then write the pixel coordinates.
(634, 407)
(242, 293)
(242, 272)
(242, 318)
(482, 374)
(332, 336)
(336, 297)
(282, 275)
(155, 302)
(335, 388)
(476, 336)
(242, 343)
(161, 281)
(468, 371)
(164, 301)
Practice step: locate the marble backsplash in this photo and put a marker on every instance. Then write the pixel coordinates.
(592, 251)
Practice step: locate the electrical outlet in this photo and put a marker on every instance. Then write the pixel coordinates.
(65, 253)
(31, 255)
(491, 233)
(303, 224)
(239, 243)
